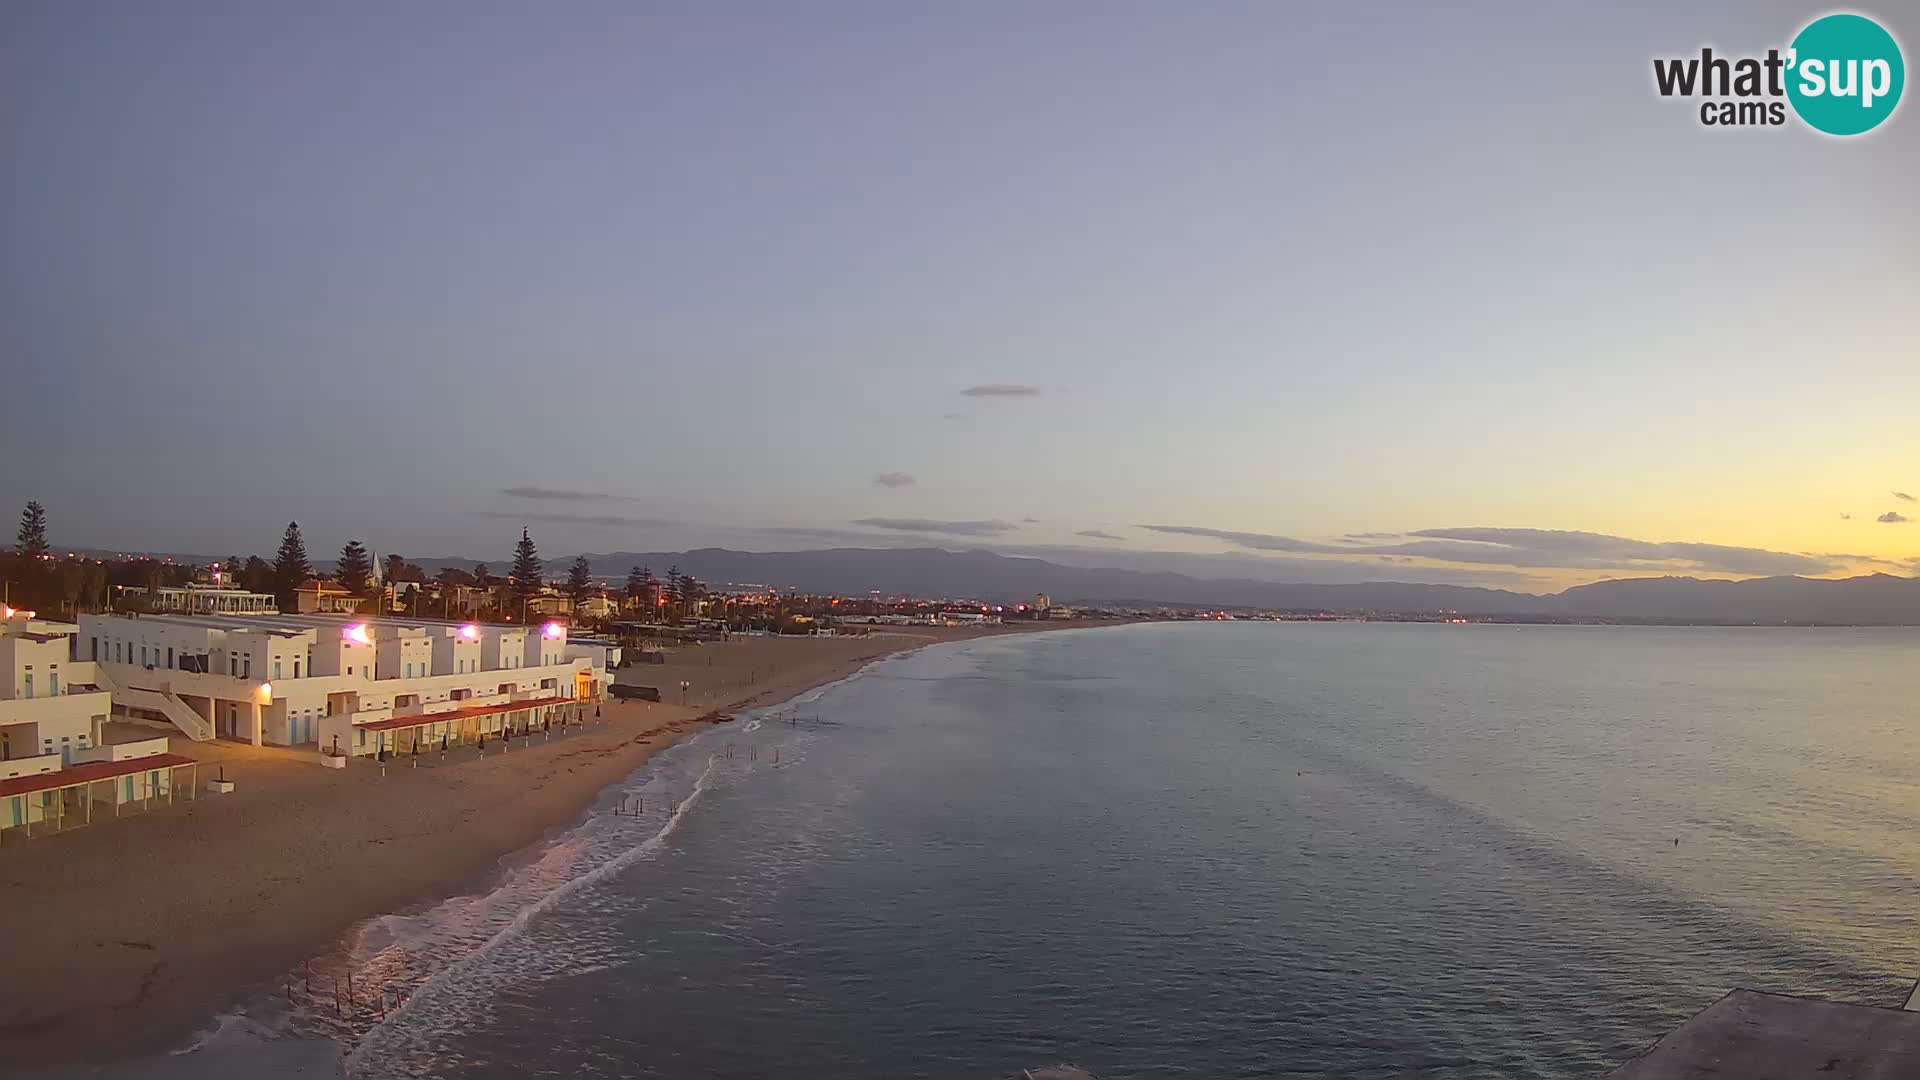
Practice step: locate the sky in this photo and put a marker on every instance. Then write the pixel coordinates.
(1381, 292)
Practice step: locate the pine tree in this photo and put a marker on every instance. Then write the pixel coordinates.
(33, 531)
(355, 571)
(256, 575)
(580, 580)
(636, 583)
(290, 567)
(526, 567)
(396, 569)
(482, 577)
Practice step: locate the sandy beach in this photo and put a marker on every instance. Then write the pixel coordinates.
(130, 932)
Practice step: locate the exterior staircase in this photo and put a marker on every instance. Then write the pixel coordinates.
(165, 702)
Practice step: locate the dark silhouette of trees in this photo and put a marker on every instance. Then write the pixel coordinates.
(526, 568)
(354, 571)
(32, 540)
(290, 567)
(580, 580)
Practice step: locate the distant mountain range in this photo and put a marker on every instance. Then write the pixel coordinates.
(1871, 600)
(1878, 599)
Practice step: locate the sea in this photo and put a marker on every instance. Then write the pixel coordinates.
(1241, 849)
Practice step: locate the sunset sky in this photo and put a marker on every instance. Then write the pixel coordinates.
(1371, 294)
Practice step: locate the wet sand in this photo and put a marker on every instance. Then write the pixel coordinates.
(126, 934)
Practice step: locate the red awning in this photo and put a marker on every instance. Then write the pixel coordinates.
(91, 772)
(423, 719)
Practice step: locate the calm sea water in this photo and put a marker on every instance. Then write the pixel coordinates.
(1231, 850)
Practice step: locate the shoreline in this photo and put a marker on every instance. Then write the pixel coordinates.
(173, 916)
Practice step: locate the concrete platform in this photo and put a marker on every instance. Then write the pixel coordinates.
(1748, 1035)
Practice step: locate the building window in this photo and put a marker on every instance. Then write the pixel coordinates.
(246, 668)
(169, 656)
(276, 667)
(296, 668)
(29, 691)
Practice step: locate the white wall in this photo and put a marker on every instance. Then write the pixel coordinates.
(502, 649)
(404, 657)
(29, 766)
(455, 655)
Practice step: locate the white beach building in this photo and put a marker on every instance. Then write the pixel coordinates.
(352, 682)
(50, 704)
(53, 764)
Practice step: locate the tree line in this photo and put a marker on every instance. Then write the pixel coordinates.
(36, 579)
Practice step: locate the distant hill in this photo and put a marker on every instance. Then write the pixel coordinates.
(1878, 599)
(1871, 600)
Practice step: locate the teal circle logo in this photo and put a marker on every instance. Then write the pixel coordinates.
(1845, 74)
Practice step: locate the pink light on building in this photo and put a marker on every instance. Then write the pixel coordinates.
(470, 632)
(552, 630)
(357, 633)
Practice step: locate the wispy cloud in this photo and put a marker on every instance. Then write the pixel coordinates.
(1904, 497)
(892, 480)
(1001, 390)
(991, 527)
(1249, 540)
(532, 491)
(1893, 517)
(571, 519)
(1098, 534)
(1846, 517)
(1544, 548)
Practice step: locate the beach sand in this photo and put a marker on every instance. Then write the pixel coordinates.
(126, 934)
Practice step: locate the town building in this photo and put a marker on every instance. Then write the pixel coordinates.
(202, 600)
(290, 680)
(324, 598)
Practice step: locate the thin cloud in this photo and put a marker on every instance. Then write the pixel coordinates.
(1543, 548)
(1248, 540)
(1001, 390)
(1846, 517)
(531, 491)
(1098, 534)
(892, 480)
(1904, 497)
(990, 527)
(571, 519)
(1893, 517)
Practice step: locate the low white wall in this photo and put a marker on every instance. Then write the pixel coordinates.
(29, 766)
(125, 751)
